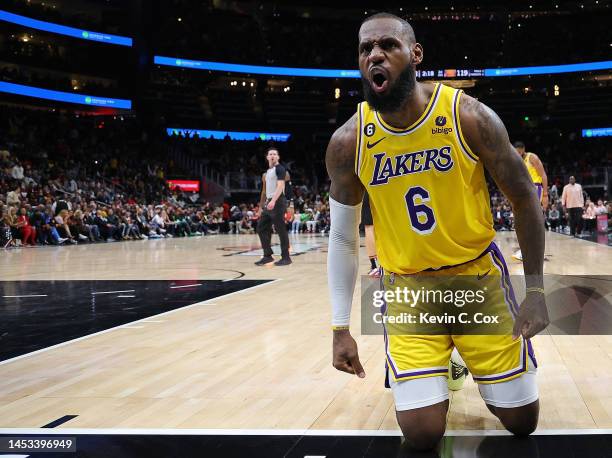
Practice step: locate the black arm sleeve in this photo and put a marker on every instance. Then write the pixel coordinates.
(280, 172)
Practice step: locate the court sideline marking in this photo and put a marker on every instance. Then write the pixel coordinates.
(16, 358)
(284, 432)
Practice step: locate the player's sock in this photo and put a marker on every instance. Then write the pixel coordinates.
(457, 371)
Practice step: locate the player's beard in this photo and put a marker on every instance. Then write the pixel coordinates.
(395, 96)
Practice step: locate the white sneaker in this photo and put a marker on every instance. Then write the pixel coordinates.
(82, 237)
(61, 240)
(518, 255)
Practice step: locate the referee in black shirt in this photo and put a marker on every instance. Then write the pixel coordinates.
(273, 205)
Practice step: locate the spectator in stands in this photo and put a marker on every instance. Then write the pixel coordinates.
(28, 232)
(323, 221)
(312, 224)
(131, 230)
(115, 222)
(61, 203)
(107, 230)
(77, 228)
(553, 217)
(182, 224)
(289, 216)
(78, 225)
(498, 221)
(235, 219)
(14, 197)
(61, 224)
(554, 192)
(36, 220)
(169, 225)
(589, 217)
(196, 223)
(6, 237)
(306, 217)
(158, 224)
(10, 219)
(600, 209)
(143, 224)
(89, 220)
(297, 221)
(17, 171)
(245, 225)
(50, 228)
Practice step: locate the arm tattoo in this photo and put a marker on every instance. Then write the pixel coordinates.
(493, 145)
(487, 135)
(340, 161)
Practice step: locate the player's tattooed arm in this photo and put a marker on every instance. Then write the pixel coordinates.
(340, 161)
(486, 135)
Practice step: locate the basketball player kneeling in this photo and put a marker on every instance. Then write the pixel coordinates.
(419, 149)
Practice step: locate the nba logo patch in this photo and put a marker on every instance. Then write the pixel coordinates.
(441, 121)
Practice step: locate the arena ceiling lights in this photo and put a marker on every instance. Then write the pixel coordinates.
(99, 37)
(68, 97)
(331, 73)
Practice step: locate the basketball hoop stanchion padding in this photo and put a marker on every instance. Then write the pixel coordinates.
(602, 223)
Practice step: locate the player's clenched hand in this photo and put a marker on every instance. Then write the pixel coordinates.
(533, 316)
(346, 358)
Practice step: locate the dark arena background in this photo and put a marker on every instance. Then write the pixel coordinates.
(133, 139)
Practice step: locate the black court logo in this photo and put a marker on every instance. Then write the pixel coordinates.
(369, 130)
(441, 121)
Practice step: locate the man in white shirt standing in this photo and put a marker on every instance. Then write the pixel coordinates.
(572, 200)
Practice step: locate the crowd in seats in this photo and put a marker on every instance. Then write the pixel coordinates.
(556, 217)
(68, 180)
(45, 213)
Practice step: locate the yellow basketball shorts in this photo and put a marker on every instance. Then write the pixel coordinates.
(491, 358)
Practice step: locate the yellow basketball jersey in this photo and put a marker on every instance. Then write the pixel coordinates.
(533, 173)
(428, 194)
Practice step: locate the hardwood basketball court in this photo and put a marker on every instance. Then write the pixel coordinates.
(257, 357)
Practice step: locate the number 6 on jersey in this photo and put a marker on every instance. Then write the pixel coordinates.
(422, 218)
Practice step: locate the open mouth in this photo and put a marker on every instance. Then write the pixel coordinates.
(379, 79)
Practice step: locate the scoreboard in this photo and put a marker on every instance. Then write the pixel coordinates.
(451, 73)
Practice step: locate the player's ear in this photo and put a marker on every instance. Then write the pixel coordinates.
(417, 54)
